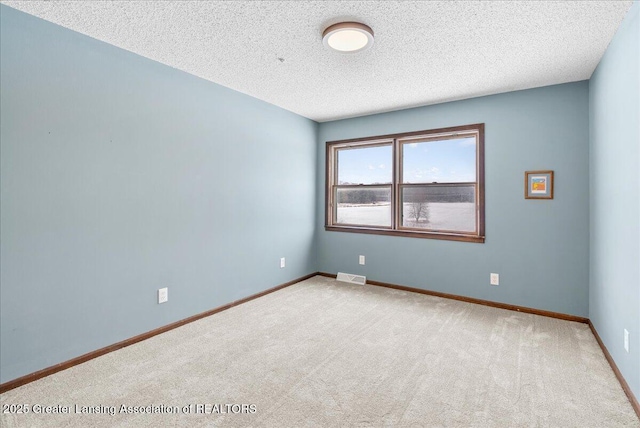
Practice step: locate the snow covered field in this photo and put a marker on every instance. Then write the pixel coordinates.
(458, 216)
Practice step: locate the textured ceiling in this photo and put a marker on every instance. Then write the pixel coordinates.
(424, 52)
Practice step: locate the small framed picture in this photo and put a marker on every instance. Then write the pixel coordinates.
(538, 185)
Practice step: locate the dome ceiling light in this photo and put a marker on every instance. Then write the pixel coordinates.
(348, 37)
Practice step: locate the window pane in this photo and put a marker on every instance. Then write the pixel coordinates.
(423, 184)
(443, 161)
(365, 206)
(367, 165)
(439, 207)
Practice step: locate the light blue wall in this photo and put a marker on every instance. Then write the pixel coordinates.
(614, 117)
(539, 248)
(120, 176)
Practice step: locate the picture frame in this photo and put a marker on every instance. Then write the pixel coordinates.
(538, 184)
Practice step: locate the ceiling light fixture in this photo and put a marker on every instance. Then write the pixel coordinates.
(348, 37)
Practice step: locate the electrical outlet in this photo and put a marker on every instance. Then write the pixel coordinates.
(282, 262)
(163, 295)
(626, 340)
(495, 279)
(361, 260)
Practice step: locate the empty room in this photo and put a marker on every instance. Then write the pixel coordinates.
(320, 213)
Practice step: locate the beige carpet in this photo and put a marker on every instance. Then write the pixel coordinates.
(323, 353)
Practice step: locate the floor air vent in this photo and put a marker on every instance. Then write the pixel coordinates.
(352, 279)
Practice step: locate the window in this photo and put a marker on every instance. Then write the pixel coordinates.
(427, 184)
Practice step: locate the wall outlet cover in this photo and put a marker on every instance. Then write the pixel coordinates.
(495, 279)
(626, 340)
(163, 295)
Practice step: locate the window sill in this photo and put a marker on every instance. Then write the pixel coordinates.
(407, 234)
